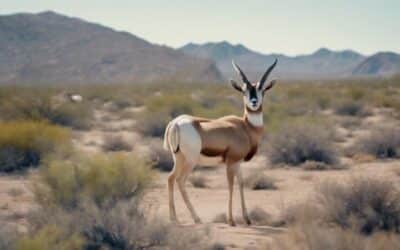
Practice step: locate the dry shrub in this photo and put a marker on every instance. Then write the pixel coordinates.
(259, 181)
(297, 143)
(198, 181)
(151, 124)
(360, 214)
(351, 108)
(26, 143)
(259, 216)
(115, 143)
(383, 142)
(161, 158)
(314, 237)
(101, 178)
(367, 204)
(123, 226)
(319, 166)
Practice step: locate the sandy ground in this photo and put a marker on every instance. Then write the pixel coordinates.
(293, 186)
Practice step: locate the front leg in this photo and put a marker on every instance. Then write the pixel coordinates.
(241, 186)
(230, 174)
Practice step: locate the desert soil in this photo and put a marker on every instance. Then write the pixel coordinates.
(293, 185)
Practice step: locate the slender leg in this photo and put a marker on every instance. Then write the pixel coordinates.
(181, 179)
(171, 182)
(241, 185)
(172, 211)
(230, 173)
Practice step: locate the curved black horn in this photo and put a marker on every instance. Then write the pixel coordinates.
(239, 70)
(266, 74)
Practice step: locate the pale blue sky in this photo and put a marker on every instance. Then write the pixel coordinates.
(291, 27)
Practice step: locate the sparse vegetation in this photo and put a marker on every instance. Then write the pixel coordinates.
(352, 108)
(26, 143)
(383, 142)
(297, 143)
(104, 179)
(42, 105)
(115, 143)
(161, 158)
(259, 181)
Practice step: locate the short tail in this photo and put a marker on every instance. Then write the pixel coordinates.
(171, 137)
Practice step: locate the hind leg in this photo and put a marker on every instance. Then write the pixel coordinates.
(178, 164)
(181, 179)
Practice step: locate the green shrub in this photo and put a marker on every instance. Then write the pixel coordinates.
(41, 105)
(101, 178)
(297, 143)
(26, 143)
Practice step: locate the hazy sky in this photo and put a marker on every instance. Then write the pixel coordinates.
(291, 27)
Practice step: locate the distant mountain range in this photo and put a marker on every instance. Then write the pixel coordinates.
(323, 63)
(52, 48)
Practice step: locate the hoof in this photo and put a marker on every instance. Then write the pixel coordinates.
(197, 221)
(248, 221)
(232, 223)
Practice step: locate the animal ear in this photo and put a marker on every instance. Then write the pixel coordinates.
(236, 86)
(270, 85)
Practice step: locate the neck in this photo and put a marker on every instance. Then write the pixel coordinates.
(255, 118)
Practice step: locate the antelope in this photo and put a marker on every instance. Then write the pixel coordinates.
(228, 140)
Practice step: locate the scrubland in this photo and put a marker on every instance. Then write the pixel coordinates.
(92, 175)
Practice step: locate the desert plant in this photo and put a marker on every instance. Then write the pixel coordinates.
(115, 143)
(40, 105)
(26, 143)
(101, 178)
(297, 143)
(8, 237)
(367, 204)
(258, 181)
(351, 108)
(383, 142)
(161, 158)
(198, 181)
(312, 236)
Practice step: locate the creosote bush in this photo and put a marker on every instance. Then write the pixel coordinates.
(297, 143)
(383, 142)
(26, 143)
(104, 179)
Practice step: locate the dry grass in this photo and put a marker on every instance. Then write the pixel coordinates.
(115, 143)
(383, 142)
(259, 181)
(297, 143)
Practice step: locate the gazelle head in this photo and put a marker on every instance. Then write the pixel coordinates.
(253, 93)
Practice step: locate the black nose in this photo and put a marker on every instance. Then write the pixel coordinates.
(254, 102)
